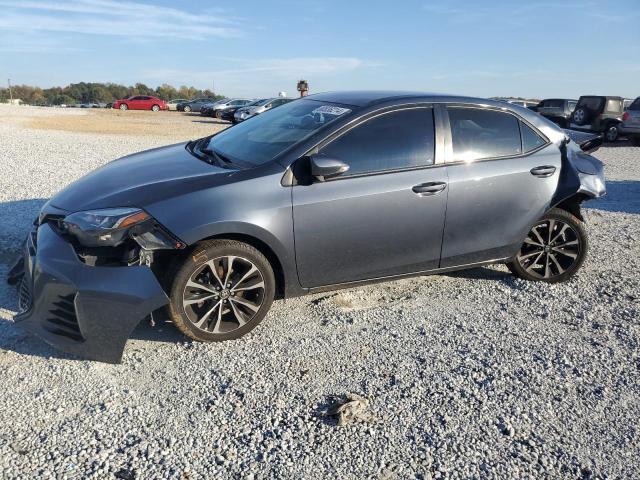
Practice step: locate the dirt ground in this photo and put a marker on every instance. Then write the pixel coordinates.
(172, 125)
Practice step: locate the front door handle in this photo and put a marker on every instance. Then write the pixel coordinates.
(430, 188)
(543, 171)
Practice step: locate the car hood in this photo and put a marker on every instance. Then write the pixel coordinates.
(141, 179)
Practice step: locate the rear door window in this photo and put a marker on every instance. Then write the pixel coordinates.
(390, 141)
(481, 133)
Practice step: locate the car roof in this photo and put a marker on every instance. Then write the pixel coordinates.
(612, 97)
(367, 98)
(388, 98)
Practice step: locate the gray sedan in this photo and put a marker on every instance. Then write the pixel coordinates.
(326, 192)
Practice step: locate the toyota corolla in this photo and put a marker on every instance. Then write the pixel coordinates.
(326, 192)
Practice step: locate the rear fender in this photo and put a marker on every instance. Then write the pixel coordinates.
(581, 179)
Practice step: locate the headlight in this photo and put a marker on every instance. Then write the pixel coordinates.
(111, 227)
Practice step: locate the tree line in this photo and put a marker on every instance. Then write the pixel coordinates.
(84, 92)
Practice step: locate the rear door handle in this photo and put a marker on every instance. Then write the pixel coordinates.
(430, 188)
(543, 171)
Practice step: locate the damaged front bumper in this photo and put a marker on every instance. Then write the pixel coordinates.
(89, 311)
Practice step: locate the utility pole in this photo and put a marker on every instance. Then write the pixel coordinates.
(10, 93)
(213, 87)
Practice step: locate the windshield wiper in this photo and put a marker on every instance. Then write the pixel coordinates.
(218, 156)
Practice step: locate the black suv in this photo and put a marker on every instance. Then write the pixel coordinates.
(558, 110)
(598, 114)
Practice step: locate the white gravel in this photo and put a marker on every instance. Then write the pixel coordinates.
(468, 375)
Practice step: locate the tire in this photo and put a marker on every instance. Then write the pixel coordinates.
(223, 314)
(187, 109)
(155, 108)
(218, 114)
(568, 242)
(611, 133)
(124, 107)
(635, 141)
(581, 116)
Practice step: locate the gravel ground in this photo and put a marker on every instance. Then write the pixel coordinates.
(468, 375)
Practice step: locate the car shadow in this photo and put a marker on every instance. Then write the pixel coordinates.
(212, 122)
(622, 196)
(481, 273)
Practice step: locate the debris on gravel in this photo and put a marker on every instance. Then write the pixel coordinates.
(474, 374)
(350, 408)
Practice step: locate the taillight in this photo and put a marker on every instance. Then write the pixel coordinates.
(625, 117)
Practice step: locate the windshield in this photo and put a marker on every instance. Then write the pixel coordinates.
(262, 138)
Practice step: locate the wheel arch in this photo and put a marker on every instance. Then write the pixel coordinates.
(572, 204)
(262, 247)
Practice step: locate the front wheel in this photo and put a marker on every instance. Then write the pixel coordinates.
(554, 249)
(123, 107)
(187, 109)
(222, 291)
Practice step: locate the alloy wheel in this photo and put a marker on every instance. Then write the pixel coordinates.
(550, 249)
(223, 294)
(612, 133)
(578, 116)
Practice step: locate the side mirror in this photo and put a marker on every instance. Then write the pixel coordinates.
(323, 167)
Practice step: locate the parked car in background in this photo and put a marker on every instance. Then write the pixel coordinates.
(141, 102)
(228, 113)
(233, 102)
(523, 103)
(173, 104)
(627, 102)
(558, 110)
(195, 105)
(208, 110)
(243, 114)
(630, 126)
(427, 183)
(598, 114)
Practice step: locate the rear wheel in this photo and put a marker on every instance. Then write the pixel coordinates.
(155, 108)
(123, 107)
(611, 133)
(222, 291)
(554, 249)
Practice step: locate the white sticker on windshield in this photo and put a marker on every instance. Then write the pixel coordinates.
(331, 110)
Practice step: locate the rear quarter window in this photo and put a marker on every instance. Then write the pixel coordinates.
(530, 138)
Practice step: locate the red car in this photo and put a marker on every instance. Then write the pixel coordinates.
(141, 102)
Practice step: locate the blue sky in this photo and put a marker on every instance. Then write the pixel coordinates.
(535, 48)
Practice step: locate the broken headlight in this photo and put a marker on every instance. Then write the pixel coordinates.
(111, 227)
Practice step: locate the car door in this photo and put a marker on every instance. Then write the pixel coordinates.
(503, 174)
(385, 215)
